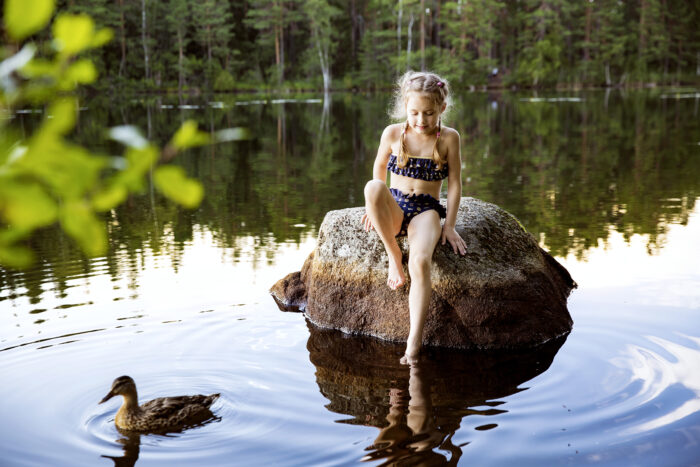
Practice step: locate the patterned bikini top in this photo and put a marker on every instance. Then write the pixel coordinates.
(421, 168)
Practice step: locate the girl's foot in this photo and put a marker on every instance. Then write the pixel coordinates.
(396, 277)
(409, 359)
(412, 352)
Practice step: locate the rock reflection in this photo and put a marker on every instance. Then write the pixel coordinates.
(418, 409)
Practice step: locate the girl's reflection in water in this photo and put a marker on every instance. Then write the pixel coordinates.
(413, 431)
(417, 410)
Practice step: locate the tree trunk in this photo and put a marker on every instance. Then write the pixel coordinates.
(586, 52)
(144, 37)
(281, 74)
(437, 25)
(122, 61)
(180, 62)
(422, 35)
(410, 38)
(642, 28)
(353, 33)
(398, 37)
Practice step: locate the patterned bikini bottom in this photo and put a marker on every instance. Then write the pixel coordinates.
(412, 205)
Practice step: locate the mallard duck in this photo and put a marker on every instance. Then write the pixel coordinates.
(158, 415)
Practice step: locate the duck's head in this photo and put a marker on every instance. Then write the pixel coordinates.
(122, 386)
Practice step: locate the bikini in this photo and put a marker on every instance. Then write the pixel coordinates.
(422, 169)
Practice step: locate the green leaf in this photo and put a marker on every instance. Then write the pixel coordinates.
(25, 17)
(16, 256)
(172, 181)
(78, 221)
(138, 162)
(109, 198)
(73, 33)
(82, 72)
(188, 136)
(26, 206)
(61, 115)
(102, 36)
(39, 67)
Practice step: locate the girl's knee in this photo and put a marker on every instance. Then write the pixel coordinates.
(419, 262)
(373, 189)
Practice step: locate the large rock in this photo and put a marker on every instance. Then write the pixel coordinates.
(505, 292)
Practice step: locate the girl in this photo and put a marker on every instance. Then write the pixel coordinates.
(420, 153)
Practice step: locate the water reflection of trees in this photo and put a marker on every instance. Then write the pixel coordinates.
(418, 410)
(575, 171)
(571, 171)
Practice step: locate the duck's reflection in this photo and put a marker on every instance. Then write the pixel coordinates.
(417, 409)
(131, 444)
(131, 441)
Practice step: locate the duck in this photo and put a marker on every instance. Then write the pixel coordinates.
(164, 414)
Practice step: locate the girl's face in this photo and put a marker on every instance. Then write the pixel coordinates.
(422, 113)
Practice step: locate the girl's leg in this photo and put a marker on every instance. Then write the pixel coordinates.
(386, 217)
(423, 234)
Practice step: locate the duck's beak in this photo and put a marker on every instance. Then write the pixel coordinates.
(109, 395)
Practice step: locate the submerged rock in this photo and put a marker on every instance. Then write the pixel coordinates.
(505, 292)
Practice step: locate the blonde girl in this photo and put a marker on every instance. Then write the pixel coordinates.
(420, 152)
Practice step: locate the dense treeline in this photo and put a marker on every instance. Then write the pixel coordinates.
(339, 44)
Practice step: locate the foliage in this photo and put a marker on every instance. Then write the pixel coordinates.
(267, 44)
(44, 177)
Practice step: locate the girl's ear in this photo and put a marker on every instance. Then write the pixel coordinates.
(444, 106)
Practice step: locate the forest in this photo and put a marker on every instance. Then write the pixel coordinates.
(293, 45)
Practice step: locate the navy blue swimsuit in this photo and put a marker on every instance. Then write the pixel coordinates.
(422, 169)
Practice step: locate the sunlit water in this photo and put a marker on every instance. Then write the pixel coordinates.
(186, 310)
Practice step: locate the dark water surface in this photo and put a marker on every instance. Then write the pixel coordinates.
(608, 182)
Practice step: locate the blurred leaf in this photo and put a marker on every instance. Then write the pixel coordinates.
(173, 183)
(14, 63)
(138, 162)
(25, 17)
(81, 72)
(69, 170)
(61, 115)
(232, 134)
(73, 33)
(109, 198)
(128, 135)
(102, 36)
(78, 221)
(25, 205)
(39, 67)
(188, 136)
(16, 256)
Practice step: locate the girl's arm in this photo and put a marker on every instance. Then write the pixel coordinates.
(454, 194)
(383, 153)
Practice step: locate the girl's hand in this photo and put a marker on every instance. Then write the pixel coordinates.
(367, 223)
(449, 234)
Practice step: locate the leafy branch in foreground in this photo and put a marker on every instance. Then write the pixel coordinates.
(44, 177)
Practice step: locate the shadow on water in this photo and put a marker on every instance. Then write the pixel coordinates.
(418, 409)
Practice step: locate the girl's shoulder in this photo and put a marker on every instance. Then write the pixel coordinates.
(449, 133)
(393, 130)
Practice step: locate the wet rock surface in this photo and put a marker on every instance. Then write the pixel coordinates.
(505, 292)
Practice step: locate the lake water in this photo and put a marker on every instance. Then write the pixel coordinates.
(608, 182)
